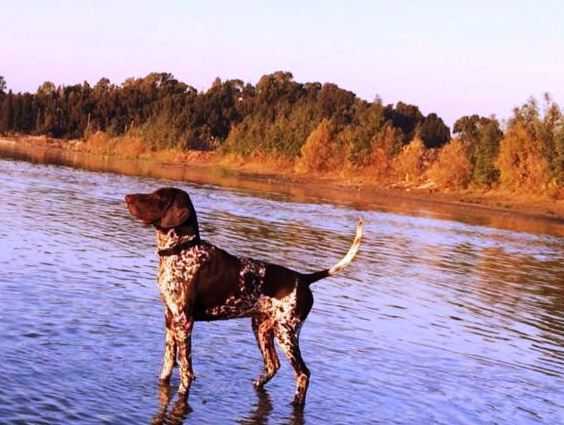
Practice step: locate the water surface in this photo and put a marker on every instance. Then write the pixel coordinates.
(436, 322)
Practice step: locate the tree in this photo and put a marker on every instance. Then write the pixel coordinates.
(453, 168)
(551, 134)
(275, 117)
(534, 146)
(521, 162)
(46, 89)
(484, 154)
(482, 136)
(433, 131)
(559, 156)
(406, 117)
(319, 152)
(360, 135)
(6, 118)
(2, 85)
(467, 128)
(409, 165)
(387, 143)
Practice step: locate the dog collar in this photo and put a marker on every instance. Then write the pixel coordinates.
(177, 249)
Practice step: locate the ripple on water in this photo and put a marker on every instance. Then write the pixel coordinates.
(436, 322)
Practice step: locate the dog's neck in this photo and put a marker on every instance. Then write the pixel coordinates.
(169, 239)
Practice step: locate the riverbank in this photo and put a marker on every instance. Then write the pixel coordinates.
(259, 175)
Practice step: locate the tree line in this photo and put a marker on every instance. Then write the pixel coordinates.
(186, 118)
(321, 127)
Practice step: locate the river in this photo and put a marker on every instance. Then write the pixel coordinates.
(437, 321)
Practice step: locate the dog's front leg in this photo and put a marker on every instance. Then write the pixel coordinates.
(169, 360)
(183, 324)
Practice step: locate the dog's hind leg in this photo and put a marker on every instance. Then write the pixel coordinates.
(287, 337)
(265, 340)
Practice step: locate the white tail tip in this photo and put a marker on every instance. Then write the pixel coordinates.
(353, 250)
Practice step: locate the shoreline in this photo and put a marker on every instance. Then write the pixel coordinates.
(211, 168)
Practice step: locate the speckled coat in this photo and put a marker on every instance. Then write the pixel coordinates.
(275, 312)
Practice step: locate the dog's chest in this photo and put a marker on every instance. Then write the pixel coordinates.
(177, 272)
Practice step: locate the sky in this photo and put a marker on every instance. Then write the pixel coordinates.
(450, 57)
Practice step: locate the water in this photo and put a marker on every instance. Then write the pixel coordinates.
(436, 322)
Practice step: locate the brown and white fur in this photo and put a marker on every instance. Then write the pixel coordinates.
(200, 282)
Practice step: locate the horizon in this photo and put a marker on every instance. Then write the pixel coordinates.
(449, 59)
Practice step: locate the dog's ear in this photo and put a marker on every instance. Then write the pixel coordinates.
(177, 212)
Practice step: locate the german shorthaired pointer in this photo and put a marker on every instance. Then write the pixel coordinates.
(200, 282)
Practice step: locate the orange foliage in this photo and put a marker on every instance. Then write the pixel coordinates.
(452, 169)
(383, 153)
(320, 153)
(129, 145)
(521, 161)
(410, 164)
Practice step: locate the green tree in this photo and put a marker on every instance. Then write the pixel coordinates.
(551, 134)
(7, 113)
(467, 128)
(275, 117)
(484, 154)
(433, 131)
(360, 136)
(405, 117)
(482, 137)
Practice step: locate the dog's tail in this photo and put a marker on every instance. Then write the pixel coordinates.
(310, 278)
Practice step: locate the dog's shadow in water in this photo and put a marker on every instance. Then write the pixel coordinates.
(177, 413)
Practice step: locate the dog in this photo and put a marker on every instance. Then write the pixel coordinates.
(201, 282)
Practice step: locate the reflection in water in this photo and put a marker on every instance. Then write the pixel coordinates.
(174, 416)
(436, 322)
(504, 283)
(262, 410)
(177, 413)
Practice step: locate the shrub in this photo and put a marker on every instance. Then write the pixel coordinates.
(409, 165)
(384, 147)
(320, 153)
(453, 168)
(98, 142)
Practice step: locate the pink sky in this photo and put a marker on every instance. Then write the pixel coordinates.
(484, 57)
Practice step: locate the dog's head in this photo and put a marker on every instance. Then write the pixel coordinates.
(165, 208)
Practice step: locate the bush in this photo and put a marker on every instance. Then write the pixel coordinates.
(453, 168)
(320, 153)
(409, 165)
(384, 147)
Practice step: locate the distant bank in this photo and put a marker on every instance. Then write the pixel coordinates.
(263, 175)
